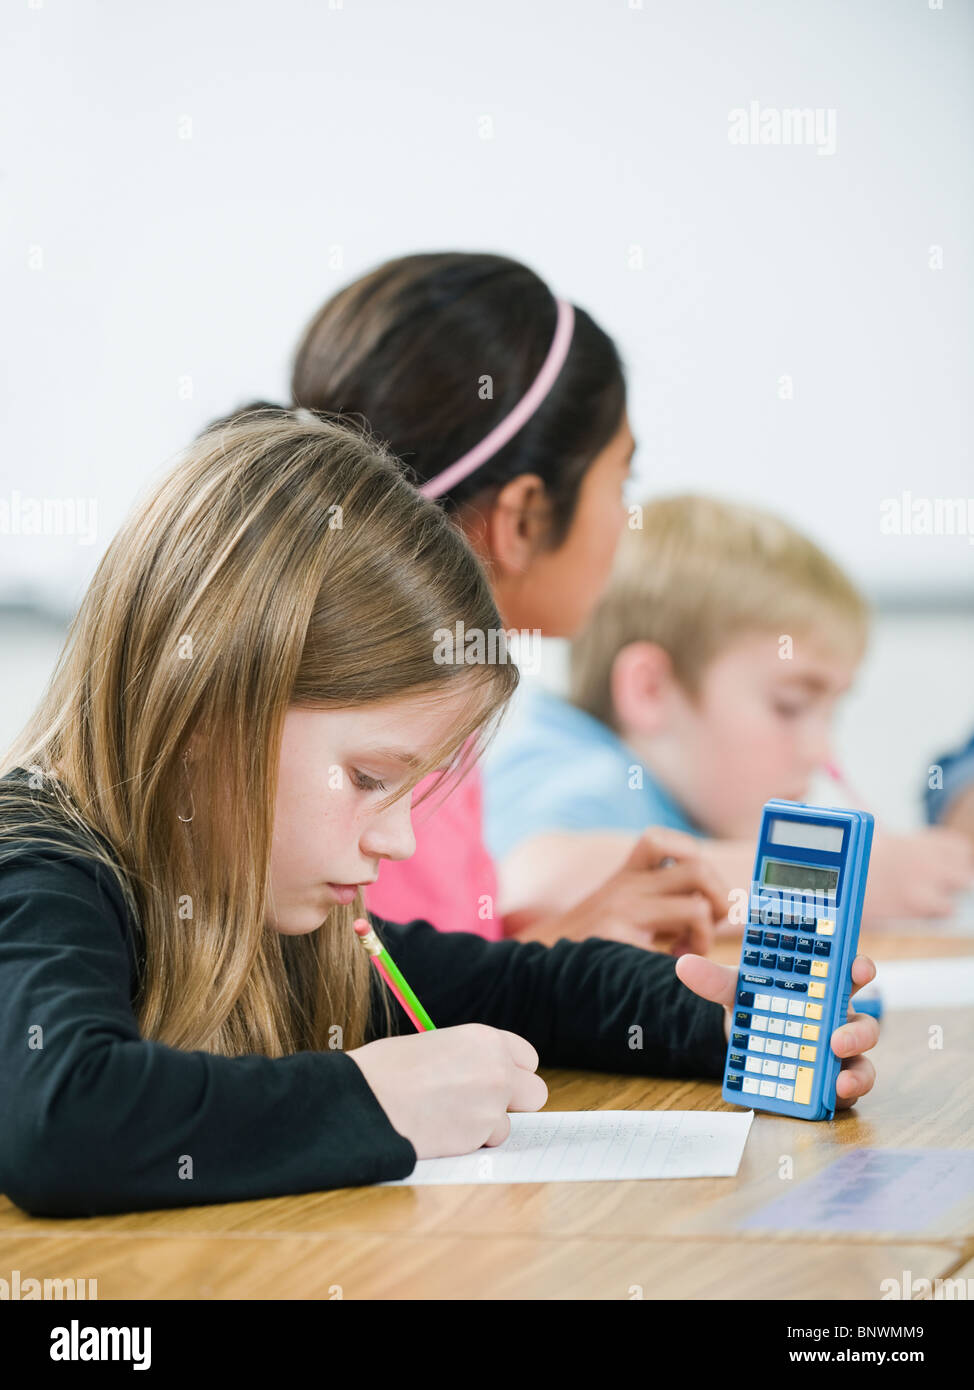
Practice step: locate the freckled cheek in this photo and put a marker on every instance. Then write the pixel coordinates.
(318, 819)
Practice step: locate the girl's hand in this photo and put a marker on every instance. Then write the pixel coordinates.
(849, 1041)
(664, 898)
(448, 1091)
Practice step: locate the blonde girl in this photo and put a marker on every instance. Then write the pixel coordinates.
(222, 760)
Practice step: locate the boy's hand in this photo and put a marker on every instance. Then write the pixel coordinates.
(664, 898)
(917, 875)
(849, 1041)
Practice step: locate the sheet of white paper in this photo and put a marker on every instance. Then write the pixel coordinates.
(600, 1146)
(944, 982)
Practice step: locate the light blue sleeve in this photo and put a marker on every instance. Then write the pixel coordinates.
(957, 774)
(528, 793)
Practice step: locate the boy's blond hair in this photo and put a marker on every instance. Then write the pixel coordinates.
(697, 575)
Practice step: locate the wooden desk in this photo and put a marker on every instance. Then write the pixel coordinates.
(654, 1239)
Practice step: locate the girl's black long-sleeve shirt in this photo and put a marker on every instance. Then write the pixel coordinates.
(95, 1118)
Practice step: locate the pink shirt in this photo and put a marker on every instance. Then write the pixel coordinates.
(450, 880)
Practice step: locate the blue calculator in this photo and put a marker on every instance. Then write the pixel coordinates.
(800, 940)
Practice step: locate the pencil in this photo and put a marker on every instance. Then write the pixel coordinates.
(837, 775)
(393, 977)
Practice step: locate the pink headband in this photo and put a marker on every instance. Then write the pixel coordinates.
(522, 412)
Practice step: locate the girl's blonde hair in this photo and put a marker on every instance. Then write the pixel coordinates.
(700, 573)
(284, 561)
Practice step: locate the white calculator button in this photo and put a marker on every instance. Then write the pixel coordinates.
(753, 1064)
(756, 1044)
(759, 1023)
(776, 1025)
(770, 1067)
(787, 1071)
(796, 1007)
(774, 1045)
(767, 1088)
(794, 1030)
(750, 1085)
(779, 1006)
(784, 1092)
(789, 1049)
(762, 1001)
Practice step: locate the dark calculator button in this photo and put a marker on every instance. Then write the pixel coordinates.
(802, 966)
(788, 943)
(770, 938)
(741, 1020)
(796, 986)
(769, 915)
(823, 948)
(806, 944)
(744, 998)
(754, 938)
(786, 962)
(810, 919)
(757, 979)
(737, 1059)
(739, 1040)
(751, 957)
(734, 1083)
(769, 961)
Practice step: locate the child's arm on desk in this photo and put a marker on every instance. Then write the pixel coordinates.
(555, 872)
(663, 897)
(960, 813)
(915, 875)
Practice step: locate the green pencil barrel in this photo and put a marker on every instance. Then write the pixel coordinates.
(408, 994)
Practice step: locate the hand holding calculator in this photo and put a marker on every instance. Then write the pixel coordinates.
(800, 940)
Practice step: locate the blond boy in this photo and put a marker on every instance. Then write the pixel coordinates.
(704, 684)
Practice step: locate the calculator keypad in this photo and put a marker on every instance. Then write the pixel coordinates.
(781, 991)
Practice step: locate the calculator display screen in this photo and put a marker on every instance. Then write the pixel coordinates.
(807, 835)
(801, 876)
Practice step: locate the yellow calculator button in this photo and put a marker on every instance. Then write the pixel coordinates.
(816, 990)
(807, 1054)
(826, 926)
(810, 1032)
(803, 1085)
(813, 1011)
(820, 968)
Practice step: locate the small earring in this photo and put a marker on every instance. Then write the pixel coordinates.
(186, 819)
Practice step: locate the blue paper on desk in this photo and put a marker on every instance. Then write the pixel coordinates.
(873, 1190)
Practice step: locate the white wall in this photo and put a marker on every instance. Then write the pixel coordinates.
(323, 135)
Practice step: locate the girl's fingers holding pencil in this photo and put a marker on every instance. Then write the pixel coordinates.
(526, 1089)
(521, 1051)
(449, 1090)
(498, 1135)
